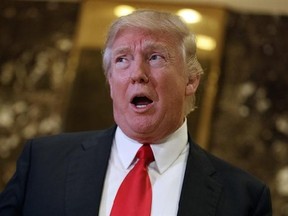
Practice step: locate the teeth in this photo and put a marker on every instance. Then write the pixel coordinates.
(141, 106)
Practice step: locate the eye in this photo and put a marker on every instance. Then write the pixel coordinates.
(157, 60)
(121, 62)
(155, 57)
(120, 59)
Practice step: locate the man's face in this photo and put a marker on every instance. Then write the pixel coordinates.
(148, 84)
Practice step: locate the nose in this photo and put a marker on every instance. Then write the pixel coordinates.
(139, 73)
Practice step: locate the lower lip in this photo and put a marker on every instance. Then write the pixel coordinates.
(142, 108)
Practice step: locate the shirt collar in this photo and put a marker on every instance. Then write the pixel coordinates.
(165, 152)
(126, 148)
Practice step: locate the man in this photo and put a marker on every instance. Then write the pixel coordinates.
(151, 66)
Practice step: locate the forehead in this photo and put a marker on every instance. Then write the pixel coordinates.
(132, 38)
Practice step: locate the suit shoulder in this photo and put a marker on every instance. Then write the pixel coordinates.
(240, 188)
(226, 172)
(68, 140)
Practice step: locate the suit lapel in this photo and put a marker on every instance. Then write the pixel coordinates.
(86, 174)
(87, 170)
(200, 191)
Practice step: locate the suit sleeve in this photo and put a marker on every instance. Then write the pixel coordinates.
(264, 206)
(12, 198)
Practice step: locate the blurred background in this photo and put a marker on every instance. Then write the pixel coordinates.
(51, 78)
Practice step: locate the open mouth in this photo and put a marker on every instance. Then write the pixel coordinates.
(141, 102)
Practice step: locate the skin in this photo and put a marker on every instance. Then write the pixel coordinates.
(151, 65)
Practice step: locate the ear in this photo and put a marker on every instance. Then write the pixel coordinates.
(192, 84)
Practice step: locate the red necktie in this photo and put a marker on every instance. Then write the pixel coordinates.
(134, 196)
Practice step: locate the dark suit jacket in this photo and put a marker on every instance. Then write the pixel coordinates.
(64, 175)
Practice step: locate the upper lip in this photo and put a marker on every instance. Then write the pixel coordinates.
(140, 95)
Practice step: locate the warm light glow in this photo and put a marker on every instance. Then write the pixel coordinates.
(205, 42)
(123, 10)
(189, 15)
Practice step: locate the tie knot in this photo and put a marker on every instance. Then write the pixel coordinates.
(145, 153)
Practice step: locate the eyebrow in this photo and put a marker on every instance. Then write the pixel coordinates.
(148, 46)
(121, 50)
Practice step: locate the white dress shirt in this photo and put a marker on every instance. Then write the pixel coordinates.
(166, 172)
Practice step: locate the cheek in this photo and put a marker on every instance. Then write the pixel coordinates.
(170, 96)
(172, 85)
(117, 87)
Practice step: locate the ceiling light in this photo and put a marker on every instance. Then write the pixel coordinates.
(123, 10)
(205, 42)
(189, 15)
